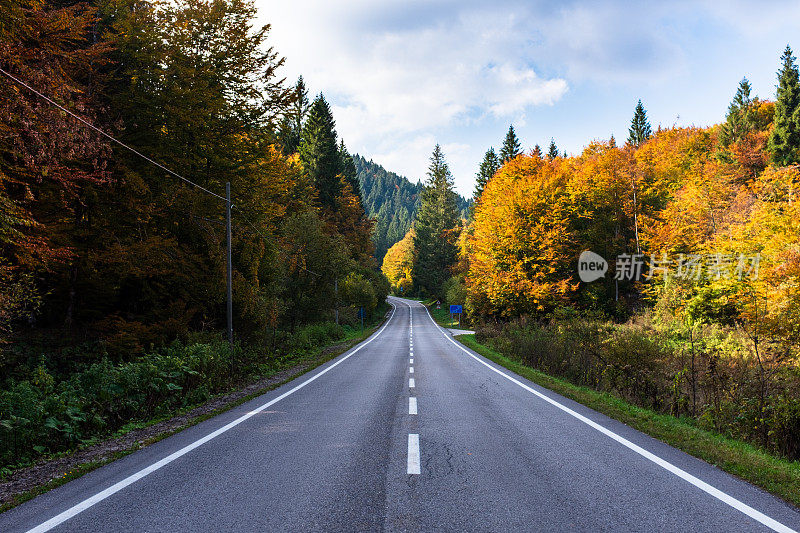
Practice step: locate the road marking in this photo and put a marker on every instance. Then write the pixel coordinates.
(697, 482)
(411, 370)
(102, 495)
(411, 361)
(412, 406)
(411, 383)
(413, 453)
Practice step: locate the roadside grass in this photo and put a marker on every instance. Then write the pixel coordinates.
(310, 360)
(442, 316)
(778, 476)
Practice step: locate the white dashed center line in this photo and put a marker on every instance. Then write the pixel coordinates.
(411, 383)
(411, 370)
(413, 453)
(412, 406)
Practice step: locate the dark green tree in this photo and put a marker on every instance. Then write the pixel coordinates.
(347, 168)
(436, 229)
(740, 117)
(640, 129)
(291, 127)
(319, 152)
(489, 166)
(552, 151)
(312, 261)
(511, 147)
(785, 137)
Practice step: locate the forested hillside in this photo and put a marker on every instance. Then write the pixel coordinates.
(392, 201)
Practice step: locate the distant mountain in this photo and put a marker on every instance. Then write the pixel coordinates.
(392, 200)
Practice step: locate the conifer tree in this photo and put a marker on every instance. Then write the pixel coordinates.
(436, 228)
(640, 129)
(489, 166)
(319, 152)
(552, 152)
(348, 169)
(511, 147)
(785, 137)
(739, 120)
(291, 127)
(537, 151)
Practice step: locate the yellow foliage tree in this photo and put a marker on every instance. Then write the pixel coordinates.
(522, 248)
(398, 262)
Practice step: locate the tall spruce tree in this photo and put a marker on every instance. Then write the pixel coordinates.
(291, 128)
(640, 129)
(347, 167)
(489, 166)
(511, 147)
(552, 151)
(436, 229)
(785, 138)
(319, 152)
(739, 120)
(537, 151)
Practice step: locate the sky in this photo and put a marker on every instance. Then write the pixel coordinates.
(404, 75)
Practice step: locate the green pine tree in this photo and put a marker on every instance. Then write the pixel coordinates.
(436, 224)
(319, 152)
(291, 128)
(552, 152)
(640, 129)
(348, 169)
(511, 147)
(489, 166)
(739, 120)
(785, 137)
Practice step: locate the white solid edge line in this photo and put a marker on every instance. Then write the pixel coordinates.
(697, 482)
(413, 453)
(100, 496)
(412, 405)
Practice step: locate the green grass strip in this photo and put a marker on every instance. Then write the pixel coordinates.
(774, 474)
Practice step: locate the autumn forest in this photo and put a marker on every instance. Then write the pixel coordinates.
(699, 313)
(123, 121)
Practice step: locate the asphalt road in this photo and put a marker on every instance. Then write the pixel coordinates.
(356, 445)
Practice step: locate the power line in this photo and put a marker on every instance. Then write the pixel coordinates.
(106, 135)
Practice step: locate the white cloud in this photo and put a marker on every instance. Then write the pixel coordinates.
(396, 80)
(404, 74)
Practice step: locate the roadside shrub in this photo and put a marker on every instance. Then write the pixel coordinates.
(708, 373)
(41, 413)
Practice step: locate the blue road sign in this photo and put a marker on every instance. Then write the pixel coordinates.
(454, 309)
